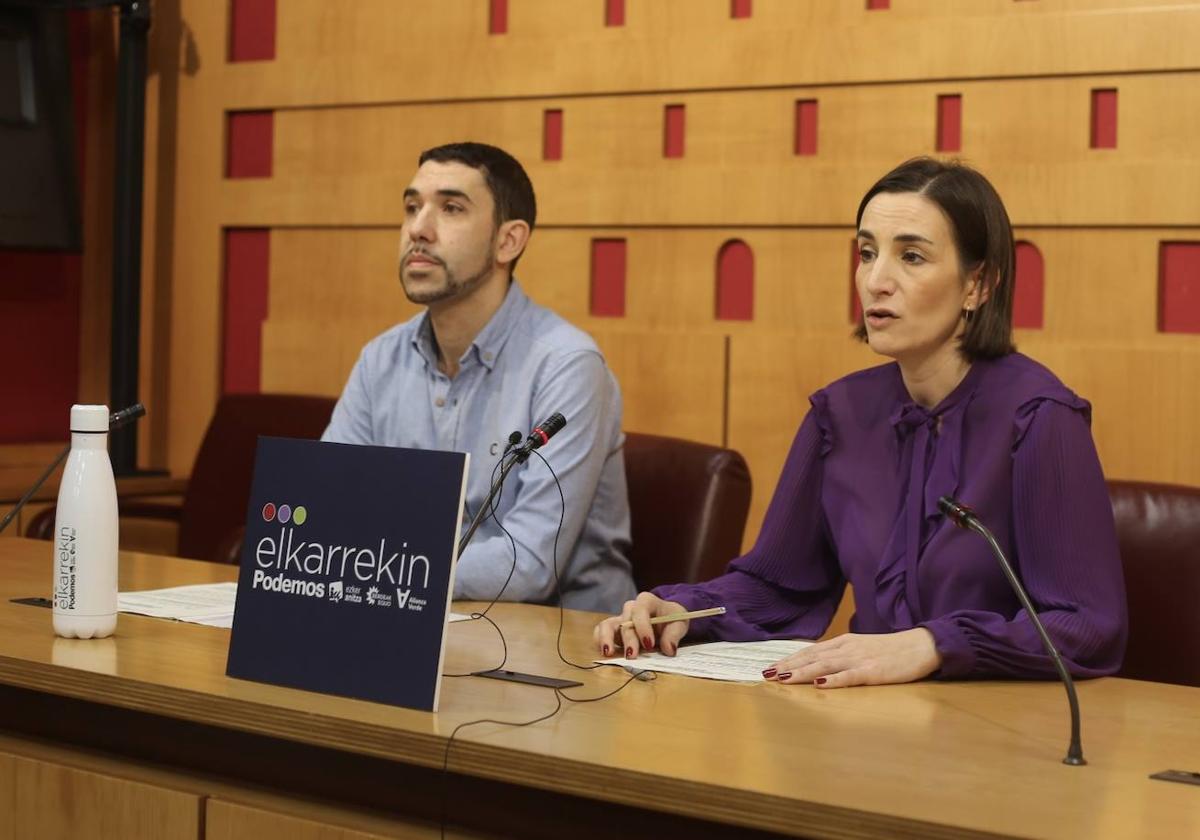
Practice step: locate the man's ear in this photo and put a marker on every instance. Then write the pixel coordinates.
(511, 239)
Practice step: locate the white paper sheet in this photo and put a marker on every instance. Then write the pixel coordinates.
(733, 661)
(204, 603)
(210, 604)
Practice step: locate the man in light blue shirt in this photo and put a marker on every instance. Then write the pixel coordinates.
(484, 361)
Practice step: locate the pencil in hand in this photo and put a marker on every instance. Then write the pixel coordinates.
(682, 616)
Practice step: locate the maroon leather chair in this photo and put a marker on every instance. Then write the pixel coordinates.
(688, 502)
(1158, 528)
(212, 516)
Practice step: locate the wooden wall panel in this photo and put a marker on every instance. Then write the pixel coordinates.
(291, 820)
(771, 375)
(337, 276)
(801, 277)
(349, 166)
(52, 800)
(235, 821)
(1025, 72)
(8, 796)
(1144, 402)
(672, 383)
(1102, 285)
(333, 290)
(193, 337)
(367, 52)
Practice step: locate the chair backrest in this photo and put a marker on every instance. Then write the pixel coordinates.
(688, 502)
(1158, 528)
(214, 505)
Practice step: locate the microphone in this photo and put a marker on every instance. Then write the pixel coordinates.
(538, 438)
(540, 435)
(115, 421)
(125, 416)
(965, 518)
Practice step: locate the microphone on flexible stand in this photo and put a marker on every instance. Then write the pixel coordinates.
(115, 421)
(538, 437)
(965, 518)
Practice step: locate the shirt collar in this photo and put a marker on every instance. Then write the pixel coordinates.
(491, 339)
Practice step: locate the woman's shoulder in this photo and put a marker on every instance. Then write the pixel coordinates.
(1020, 388)
(865, 395)
(1017, 381)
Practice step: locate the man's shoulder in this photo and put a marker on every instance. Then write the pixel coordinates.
(550, 335)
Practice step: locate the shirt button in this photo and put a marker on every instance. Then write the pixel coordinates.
(487, 357)
(439, 402)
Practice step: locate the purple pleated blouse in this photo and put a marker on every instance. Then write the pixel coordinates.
(857, 503)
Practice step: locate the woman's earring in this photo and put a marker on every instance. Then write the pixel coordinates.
(968, 314)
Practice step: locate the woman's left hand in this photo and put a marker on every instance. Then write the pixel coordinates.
(861, 659)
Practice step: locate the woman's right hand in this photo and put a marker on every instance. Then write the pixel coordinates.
(612, 638)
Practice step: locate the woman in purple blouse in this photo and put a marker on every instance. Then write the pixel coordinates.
(957, 413)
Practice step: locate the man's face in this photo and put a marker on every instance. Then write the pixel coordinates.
(448, 241)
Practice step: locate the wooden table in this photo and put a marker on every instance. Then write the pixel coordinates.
(673, 756)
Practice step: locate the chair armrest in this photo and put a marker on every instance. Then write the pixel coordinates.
(230, 549)
(170, 511)
(41, 527)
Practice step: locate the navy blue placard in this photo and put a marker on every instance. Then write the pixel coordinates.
(347, 569)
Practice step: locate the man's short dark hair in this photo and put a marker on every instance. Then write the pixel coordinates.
(982, 235)
(512, 191)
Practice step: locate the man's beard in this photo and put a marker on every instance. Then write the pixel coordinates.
(452, 287)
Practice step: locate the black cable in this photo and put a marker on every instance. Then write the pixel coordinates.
(558, 692)
(492, 513)
(562, 617)
(559, 697)
(475, 616)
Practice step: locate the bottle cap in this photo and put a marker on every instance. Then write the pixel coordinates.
(89, 418)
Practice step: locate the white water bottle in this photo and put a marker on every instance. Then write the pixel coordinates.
(85, 532)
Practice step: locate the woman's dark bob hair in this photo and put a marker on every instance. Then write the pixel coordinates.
(982, 235)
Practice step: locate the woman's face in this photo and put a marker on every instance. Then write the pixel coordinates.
(910, 282)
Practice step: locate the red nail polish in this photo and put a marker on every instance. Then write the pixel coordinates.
(648, 643)
(605, 650)
(820, 681)
(786, 676)
(629, 653)
(767, 674)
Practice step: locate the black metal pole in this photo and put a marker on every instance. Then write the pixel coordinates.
(127, 225)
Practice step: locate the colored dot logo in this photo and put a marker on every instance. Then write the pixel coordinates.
(284, 514)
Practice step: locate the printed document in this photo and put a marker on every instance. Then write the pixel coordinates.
(203, 603)
(733, 661)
